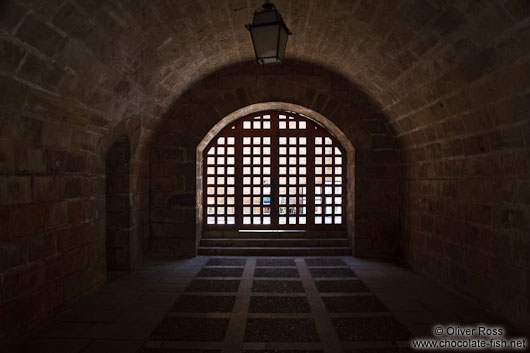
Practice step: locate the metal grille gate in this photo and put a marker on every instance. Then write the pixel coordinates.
(274, 170)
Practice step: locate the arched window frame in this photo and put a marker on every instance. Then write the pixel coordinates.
(332, 128)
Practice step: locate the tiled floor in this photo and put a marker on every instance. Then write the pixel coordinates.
(332, 304)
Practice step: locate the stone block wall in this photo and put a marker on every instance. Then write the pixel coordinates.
(464, 132)
(52, 223)
(59, 100)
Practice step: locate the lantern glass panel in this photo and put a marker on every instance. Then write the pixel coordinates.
(282, 45)
(266, 41)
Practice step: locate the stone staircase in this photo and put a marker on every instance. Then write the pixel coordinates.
(271, 243)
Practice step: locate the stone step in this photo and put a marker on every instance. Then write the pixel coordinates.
(275, 251)
(273, 234)
(274, 242)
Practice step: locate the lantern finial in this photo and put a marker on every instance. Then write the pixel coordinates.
(268, 5)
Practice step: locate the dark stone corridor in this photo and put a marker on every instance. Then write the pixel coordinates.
(106, 112)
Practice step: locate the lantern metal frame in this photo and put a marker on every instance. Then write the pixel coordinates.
(268, 6)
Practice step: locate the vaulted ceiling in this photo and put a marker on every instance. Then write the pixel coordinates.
(126, 58)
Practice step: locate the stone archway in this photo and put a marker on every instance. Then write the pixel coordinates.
(173, 155)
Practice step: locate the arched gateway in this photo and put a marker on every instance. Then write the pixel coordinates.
(274, 171)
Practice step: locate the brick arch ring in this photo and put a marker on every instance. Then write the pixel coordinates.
(309, 113)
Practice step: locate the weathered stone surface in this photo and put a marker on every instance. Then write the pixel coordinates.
(40, 72)
(12, 255)
(15, 190)
(11, 56)
(12, 93)
(40, 36)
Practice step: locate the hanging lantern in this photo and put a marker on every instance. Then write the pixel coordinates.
(269, 35)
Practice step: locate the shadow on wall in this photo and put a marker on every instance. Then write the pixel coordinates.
(118, 205)
(173, 154)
